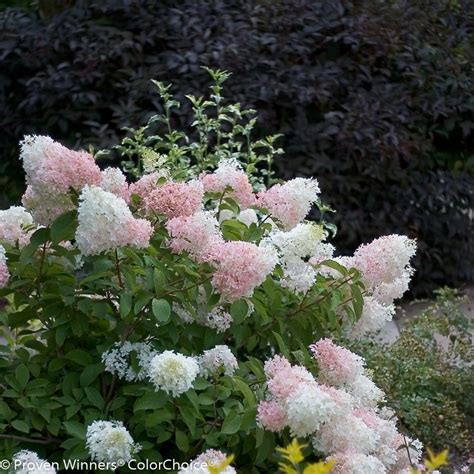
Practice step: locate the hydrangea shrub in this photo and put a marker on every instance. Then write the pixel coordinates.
(183, 307)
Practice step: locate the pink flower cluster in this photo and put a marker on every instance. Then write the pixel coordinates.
(337, 365)
(193, 234)
(386, 272)
(342, 418)
(4, 273)
(175, 199)
(51, 170)
(229, 176)
(239, 267)
(145, 185)
(210, 457)
(290, 202)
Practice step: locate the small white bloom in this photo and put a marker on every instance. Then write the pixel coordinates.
(116, 360)
(216, 361)
(174, 373)
(28, 462)
(248, 217)
(12, 225)
(308, 408)
(211, 457)
(109, 441)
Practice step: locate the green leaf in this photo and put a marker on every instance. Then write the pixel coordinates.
(161, 310)
(40, 237)
(22, 375)
(125, 304)
(95, 397)
(231, 423)
(150, 401)
(79, 356)
(239, 309)
(21, 425)
(64, 227)
(182, 441)
(245, 389)
(281, 344)
(90, 373)
(159, 280)
(75, 429)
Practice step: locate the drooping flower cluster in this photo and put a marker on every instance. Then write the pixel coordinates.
(117, 360)
(51, 170)
(291, 202)
(110, 441)
(106, 222)
(298, 250)
(211, 457)
(338, 410)
(12, 226)
(239, 267)
(173, 372)
(386, 272)
(229, 177)
(4, 272)
(175, 199)
(217, 361)
(26, 462)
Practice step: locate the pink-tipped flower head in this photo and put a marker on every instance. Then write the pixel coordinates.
(193, 234)
(337, 365)
(52, 168)
(229, 176)
(271, 416)
(290, 202)
(175, 199)
(385, 259)
(239, 267)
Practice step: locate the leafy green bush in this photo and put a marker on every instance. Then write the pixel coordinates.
(428, 375)
(59, 320)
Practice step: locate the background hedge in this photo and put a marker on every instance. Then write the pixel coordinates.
(375, 98)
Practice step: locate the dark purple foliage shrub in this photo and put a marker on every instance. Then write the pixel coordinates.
(375, 98)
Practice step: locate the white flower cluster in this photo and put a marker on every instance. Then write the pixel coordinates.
(308, 408)
(106, 222)
(217, 318)
(12, 225)
(386, 273)
(299, 250)
(28, 462)
(173, 372)
(343, 419)
(216, 361)
(115, 182)
(110, 441)
(117, 360)
(211, 457)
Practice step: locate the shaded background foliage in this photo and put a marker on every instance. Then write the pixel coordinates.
(375, 98)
